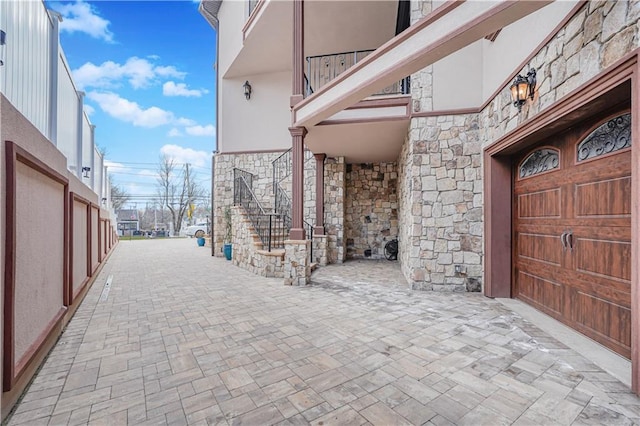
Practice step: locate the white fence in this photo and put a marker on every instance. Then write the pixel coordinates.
(37, 80)
(25, 78)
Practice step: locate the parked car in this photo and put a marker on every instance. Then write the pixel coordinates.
(197, 230)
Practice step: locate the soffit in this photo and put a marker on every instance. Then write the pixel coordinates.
(330, 27)
(371, 142)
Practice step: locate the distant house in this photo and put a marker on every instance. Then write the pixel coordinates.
(128, 221)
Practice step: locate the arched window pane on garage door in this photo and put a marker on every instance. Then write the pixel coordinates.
(611, 136)
(539, 161)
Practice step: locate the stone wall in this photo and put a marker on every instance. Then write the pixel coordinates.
(257, 163)
(442, 206)
(334, 196)
(440, 192)
(309, 188)
(421, 81)
(247, 255)
(440, 165)
(297, 267)
(601, 33)
(371, 208)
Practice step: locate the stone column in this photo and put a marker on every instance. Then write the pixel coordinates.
(318, 229)
(297, 268)
(297, 207)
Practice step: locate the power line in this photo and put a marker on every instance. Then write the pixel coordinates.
(149, 164)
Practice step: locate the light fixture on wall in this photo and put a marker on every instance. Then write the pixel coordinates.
(523, 87)
(85, 171)
(247, 90)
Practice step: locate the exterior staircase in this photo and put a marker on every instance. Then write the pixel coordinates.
(260, 232)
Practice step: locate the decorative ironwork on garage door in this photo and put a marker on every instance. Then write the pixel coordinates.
(611, 136)
(539, 161)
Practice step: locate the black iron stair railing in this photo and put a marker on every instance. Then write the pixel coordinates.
(283, 209)
(269, 226)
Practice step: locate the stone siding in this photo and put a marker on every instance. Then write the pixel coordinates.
(601, 33)
(442, 203)
(440, 165)
(334, 193)
(421, 81)
(247, 255)
(297, 267)
(320, 250)
(371, 208)
(259, 164)
(309, 188)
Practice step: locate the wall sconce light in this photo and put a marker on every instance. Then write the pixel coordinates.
(104, 200)
(523, 88)
(85, 171)
(247, 90)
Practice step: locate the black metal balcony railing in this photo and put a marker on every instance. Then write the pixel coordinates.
(324, 68)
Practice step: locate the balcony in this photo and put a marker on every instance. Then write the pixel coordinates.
(322, 69)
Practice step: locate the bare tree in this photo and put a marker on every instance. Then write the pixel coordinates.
(177, 189)
(119, 197)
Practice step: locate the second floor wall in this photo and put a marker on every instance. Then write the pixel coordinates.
(260, 123)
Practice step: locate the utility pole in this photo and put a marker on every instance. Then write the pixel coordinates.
(189, 195)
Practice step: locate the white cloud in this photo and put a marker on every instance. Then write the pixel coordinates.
(172, 89)
(174, 133)
(131, 112)
(82, 17)
(139, 72)
(88, 109)
(207, 130)
(186, 155)
(185, 122)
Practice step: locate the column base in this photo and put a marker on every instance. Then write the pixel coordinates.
(297, 234)
(297, 265)
(320, 248)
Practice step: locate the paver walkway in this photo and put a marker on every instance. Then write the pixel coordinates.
(184, 338)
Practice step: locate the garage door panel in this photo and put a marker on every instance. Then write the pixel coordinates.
(611, 259)
(608, 321)
(541, 204)
(610, 197)
(540, 247)
(597, 286)
(542, 292)
(584, 278)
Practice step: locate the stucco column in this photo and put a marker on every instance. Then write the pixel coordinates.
(318, 229)
(297, 75)
(297, 158)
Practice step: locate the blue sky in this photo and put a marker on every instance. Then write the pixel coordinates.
(147, 70)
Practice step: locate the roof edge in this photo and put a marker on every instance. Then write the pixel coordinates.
(209, 10)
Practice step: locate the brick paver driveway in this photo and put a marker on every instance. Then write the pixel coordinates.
(182, 337)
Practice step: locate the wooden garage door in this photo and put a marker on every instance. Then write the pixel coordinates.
(572, 229)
